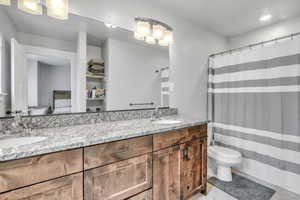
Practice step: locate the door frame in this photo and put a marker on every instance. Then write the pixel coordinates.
(71, 56)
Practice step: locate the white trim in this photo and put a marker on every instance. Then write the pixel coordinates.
(271, 89)
(251, 131)
(268, 150)
(61, 54)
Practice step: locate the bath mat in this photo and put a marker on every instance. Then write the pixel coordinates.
(243, 189)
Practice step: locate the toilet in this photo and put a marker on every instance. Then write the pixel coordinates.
(225, 159)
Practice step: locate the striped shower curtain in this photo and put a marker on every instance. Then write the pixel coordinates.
(254, 98)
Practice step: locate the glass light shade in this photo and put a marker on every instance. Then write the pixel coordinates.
(143, 28)
(31, 6)
(138, 36)
(158, 31)
(58, 9)
(168, 36)
(150, 40)
(5, 2)
(163, 43)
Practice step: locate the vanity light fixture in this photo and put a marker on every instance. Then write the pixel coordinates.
(58, 9)
(5, 2)
(150, 40)
(153, 31)
(31, 6)
(138, 36)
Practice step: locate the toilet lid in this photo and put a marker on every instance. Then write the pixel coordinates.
(224, 152)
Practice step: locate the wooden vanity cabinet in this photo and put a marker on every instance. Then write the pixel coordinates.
(65, 188)
(166, 174)
(163, 166)
(179, 171)
(192, 168)
(119, 180)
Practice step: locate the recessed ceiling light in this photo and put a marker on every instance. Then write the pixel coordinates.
(265, 18)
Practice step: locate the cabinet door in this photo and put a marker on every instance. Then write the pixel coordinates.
(66, 188)
(147, 195)
(191, 174)
(119, 180)
(166, 174)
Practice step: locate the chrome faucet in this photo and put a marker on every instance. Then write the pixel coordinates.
(18, 121)
(155, 114)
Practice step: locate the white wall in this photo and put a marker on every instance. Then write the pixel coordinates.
(40, 41)
(131, 76)
(93, 52)
(8, 31)
(270, 32)
(32, 65)
(189, 53)
(52, 78)
(81, 71)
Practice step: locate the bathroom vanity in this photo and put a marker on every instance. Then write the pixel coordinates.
(162, 162)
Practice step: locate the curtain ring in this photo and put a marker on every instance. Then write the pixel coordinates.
(292, 36)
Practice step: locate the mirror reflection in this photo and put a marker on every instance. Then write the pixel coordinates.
(51, 66)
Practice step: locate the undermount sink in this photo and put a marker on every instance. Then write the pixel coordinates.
(167, 121)
(15, 142)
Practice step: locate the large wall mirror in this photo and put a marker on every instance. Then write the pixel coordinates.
(51, 66)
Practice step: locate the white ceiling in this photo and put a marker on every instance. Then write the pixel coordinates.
(232, 17)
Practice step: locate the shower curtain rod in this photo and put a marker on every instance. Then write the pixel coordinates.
(254, 44)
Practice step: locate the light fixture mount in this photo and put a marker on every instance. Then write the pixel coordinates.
(153, 31)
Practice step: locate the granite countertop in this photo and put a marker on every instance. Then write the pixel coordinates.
(65, 138)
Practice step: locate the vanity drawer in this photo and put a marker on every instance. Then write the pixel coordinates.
(103, 154)
(27, 171)
(197, 132)
(170, 138)
(119, 180)
(65, 188)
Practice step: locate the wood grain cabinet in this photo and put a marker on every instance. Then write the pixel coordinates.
(191, 168)
(166, 174)
(27, 171)
(66, 188)
(180, 171)
(119, 180)
(147, 195)
(164, 166)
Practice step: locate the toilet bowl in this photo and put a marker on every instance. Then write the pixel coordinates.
(225, 159)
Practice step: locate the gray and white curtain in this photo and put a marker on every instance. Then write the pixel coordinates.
(255, 109)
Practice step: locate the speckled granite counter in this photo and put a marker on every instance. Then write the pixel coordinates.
(65, 138)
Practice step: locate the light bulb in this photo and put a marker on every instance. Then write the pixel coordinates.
(5, 2)
(58, 9)
(168, 36)
(150, 40)
(158, 31)
(163, 43)
(31, 6)
(138, 36)
(143, 28)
